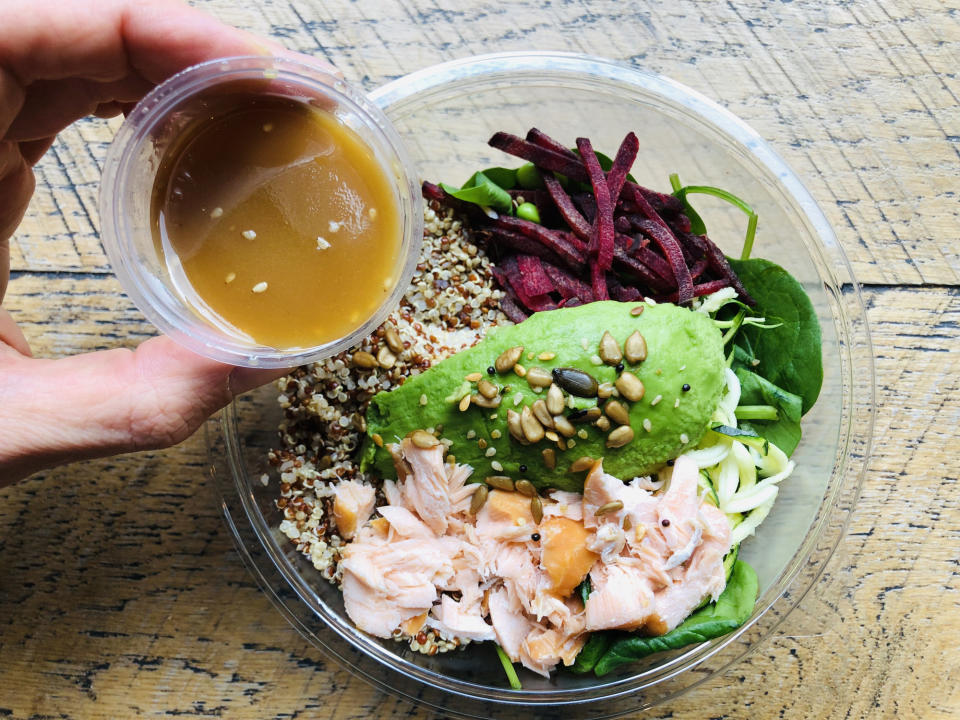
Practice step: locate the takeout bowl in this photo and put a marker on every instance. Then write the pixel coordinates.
(445, 114)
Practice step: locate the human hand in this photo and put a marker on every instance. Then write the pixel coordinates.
(60, 61)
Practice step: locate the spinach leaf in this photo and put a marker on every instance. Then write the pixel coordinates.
(481, 190)
(584, 589)
(504, 177)
(697, 225)
(594, 649)
(784, 432)
(789, 354)
(730, 611)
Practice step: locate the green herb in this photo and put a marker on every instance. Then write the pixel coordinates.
(731, 610)
(508, 669)
(481, 190)
(584, 589)
(697, 225)
(789, 354)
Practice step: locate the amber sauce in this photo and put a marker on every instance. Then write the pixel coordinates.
(277, 221)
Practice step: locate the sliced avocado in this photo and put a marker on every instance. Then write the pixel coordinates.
(684, 349)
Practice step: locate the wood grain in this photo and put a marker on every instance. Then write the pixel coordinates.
(120, 593)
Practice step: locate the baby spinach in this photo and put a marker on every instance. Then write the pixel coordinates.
(784, 432)
(789, 354)
(731, 610)
(481, 190)
(594, 649)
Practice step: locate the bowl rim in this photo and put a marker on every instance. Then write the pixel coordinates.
(849, 315)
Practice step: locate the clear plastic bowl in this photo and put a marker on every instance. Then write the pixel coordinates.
(131, 166)
(445, 114)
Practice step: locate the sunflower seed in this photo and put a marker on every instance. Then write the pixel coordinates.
(609, 350)
(508, 358)
(393, 339)
(423, 440)
(464, 403)
(473, 377)
(538, 377)
(620, 437)
(582, 463)
(487, 389)
(500, 482)
(532, 429)
(550, 458)
(635, 348)
(525, 487)
(563, 426)
(536, 509)
(617, 412)
(515, 426)
(542, 414)
(555, 401)
(478, 499)
(630, 386)
(485, 402)
(363, 359)
(610, 507)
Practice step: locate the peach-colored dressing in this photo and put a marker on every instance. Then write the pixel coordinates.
(284, 223)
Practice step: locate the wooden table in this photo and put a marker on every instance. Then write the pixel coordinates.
(120, 593)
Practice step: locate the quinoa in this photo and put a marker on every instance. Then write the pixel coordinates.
(449, 304)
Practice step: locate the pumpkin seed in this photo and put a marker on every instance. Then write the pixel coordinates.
(609, 350)
(630, 386)
(576, 382)
(508, 358)
(363, 359)
(478, 499)
(620, 437)
(538, 377)
(386, 358)
(542, 414)
(617, 412)
(500, 482)
(555, 401)
(525, 487)
(423, 440)
(635, 348)
(563, 426)
(549, 458)
(610, 507)
(487, 389)
(532, 429)
(393, 339)
(582, 463)
(536, 509)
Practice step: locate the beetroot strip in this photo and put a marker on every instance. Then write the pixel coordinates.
(507, 242)
(598, 282)
(566, 284)
(663, 236)
(534, 278)
(601, 239)
(549, 238)
(539, 156)
(537, 137)
(632, 266)
(626, 154)
(718, 263)
(565, 207)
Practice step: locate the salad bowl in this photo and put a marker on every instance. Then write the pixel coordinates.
(444, 115)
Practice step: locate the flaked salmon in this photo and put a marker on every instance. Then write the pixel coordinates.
(426, 562)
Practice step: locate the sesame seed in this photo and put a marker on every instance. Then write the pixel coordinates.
(595, 360)
(686, 387)
(571, 443)
(260, 287)
(322, 243)
(657, 399)
(249, 234)
(216, 212)
(496, 466)
(267, 127)
(582, 434)
(684, 438)
(471, 434)
(683, 367)
(676, 403)
(372, 213)
(423, 400)
(495, 434)
(585, 343)
(647, 425)
(230, 277)
(334, 226)
(517, 399)
(491, 451)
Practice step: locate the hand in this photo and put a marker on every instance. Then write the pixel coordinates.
(60, 62)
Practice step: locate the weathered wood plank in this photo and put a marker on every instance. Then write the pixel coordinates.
(861, 99)
(121, 596)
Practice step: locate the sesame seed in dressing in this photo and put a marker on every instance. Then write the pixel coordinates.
(260, 287)
(230, 277)
(249, 234)
(322, 243)
(216, 213)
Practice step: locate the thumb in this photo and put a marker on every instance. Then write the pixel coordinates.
(104, 403)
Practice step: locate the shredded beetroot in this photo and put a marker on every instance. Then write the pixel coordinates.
(601, 236)
(618, 240)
